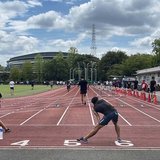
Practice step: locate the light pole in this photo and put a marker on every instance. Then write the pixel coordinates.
(95, 74)
(92, 65)
(85, 70)
(79, 72)
(70, 73)
(73, 73)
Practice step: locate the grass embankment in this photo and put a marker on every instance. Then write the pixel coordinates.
(23, 90)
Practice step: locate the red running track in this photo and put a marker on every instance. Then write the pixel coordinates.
(57, 118)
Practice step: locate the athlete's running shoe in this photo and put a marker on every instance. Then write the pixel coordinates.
(7, 130)
(119, 140)
(82, 139)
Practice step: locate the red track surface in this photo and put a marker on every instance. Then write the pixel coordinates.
(37, 121)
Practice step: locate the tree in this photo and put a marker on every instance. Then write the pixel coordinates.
(56, 69)
(61, 68)
(156, 51)
(38, 68)
(72, 54)
(108, 61)
(136, 62)
(15, 74)
(2, 68)
(27, 71)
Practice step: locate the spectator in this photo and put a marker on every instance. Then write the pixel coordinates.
(11, 83)
(152, 87)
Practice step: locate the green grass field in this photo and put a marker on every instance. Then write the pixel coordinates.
(23, 90)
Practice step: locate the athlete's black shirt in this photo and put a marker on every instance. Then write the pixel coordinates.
(152, 85)
(83, 85)
(103, 107)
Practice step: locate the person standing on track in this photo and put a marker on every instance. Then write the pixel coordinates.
(152, 87)
(109, 113)
(136, 84)
(11, 84)
(83, 84)
(68, 86)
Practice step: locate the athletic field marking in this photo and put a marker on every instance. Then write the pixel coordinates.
(120, 115)
(71, 143)
(124, 143)
(37, 113)
(32, 116)
(6, 114)
(90, 110)
(20, 143)
(67, 109)
(125, 120)
(81, 125)
(148, 104)
(139, 110)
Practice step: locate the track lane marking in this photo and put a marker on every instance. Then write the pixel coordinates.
(40, 111)
(153, 106)
(139, 110)
(32, 116)
(67, 109)
(90, 110)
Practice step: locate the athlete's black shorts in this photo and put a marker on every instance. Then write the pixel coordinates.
(111, 116)
(83, 91)
(152, 89)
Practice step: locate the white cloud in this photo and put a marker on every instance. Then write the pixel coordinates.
(138, 20)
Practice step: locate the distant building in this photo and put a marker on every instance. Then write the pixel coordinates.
(20, 60)
(146, 74)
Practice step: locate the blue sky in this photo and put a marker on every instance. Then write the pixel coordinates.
(29, 26)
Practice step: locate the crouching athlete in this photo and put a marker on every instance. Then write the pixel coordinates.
(109, 112)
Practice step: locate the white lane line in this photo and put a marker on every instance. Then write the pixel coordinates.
(120, 115)
(125, 120)
(113, 105)
(32, 116)
(145, 103)
(39, 112)
(83, 125)
(66, 109)
(139, 110)
(90, 110)
(6, 114)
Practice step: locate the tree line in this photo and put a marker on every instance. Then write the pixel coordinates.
(113, 63)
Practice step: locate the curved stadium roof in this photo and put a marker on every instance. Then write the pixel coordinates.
(21, 59)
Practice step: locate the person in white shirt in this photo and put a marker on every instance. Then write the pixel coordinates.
(11, 83)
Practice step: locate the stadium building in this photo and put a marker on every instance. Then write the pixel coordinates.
(20, 60)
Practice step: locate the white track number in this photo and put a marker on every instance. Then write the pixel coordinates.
(124, 143)
(71, 143)
(20, 143)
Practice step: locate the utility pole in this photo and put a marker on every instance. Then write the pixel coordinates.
(93, 44)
